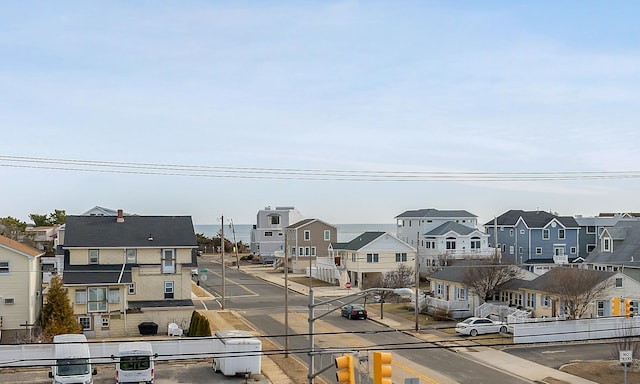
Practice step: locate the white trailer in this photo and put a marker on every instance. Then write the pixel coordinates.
(135, 363)
(72, 360)
(236, 353)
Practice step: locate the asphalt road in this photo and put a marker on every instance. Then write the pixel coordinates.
(259, 300)
(557, 355)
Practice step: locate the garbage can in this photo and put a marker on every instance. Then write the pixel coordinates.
(148, 328)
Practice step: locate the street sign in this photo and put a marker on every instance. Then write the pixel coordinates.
(626, 357)
(348, 285)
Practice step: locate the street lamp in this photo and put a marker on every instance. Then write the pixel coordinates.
(404, 292)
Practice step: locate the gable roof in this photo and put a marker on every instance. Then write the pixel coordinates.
(450, 226)
(548, 280)
(133, 232)
(435, 213)
(305, 222)
(533, 219)
(626, 249)
(359, 241)
(16, 246)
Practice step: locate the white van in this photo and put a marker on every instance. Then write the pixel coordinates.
(135, 363)
(72, 360)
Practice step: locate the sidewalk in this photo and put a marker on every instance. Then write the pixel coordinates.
(485, 355)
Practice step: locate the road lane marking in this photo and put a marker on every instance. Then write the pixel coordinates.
(414, 372)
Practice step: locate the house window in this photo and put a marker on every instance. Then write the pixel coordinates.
(114, 296)
(4, 267)
(132, 256)
(504, 248)
(307, 235)
(274, 219)
(268, 234)
(545, 234)
(520, 250)
(606, 244)
(511, 249)
(81, 296)
(132, 289)
(619, 282)
(451, 243)
(591, 229)
(600, 308)
(572, 250)
(97, 300)
(353, 257)
(301, 251)
(168, 289)
(538, 250)
(439, 288)
(546, 301)
(9, 300)
(400, 257)
(511, 232)
(372, 257)
(522, 231)
(85, 321)
(105, 322)
(94, 256)
(561, 234)
(475, 243)
(313, 251)
(461, 294)
(590, 247)
(531, 298)
(168, 261)
(558, 251)
(327, 235)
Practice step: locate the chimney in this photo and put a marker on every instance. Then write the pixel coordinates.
(120, 218)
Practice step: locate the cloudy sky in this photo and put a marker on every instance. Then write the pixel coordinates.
(351, 111)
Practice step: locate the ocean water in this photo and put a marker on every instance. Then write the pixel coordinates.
(346, 232)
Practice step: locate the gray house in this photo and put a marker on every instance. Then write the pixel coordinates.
(618, 249)
(535, 239)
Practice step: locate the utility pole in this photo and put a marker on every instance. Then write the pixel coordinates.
(286, 296)
(417, 279)
(222, 250)
(235, 243)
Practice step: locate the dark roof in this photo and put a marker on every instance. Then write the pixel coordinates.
(548, 280)
(160, 303)
(134, 232)
(359, 241)
(549, 260)
(626, 247)
(533, 219)
(450, 226)
(96, 276)
(431, 212)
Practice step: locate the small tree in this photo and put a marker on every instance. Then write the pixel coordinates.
(199, 325)
(484, 278)
(57, 315)
(577, 287)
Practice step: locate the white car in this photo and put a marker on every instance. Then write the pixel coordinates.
(475, 326)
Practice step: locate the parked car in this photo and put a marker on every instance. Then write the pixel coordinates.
(475, 326)
(354, 311)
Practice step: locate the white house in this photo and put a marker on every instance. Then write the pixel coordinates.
(268, 235)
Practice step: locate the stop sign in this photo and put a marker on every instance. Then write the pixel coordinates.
(348, 284)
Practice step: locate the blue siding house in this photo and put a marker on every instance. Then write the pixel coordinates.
(535, 239)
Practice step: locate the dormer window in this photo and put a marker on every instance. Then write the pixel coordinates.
(606, 244)
(274, 219)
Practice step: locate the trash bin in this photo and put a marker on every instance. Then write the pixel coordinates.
(148, 328)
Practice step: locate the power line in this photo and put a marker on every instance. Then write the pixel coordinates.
(96, 166)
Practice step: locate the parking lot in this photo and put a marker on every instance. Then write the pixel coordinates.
(166, 373)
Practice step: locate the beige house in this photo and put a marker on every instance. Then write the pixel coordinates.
(305, 241)
(369, 256)
(121, 271)
(20, 298)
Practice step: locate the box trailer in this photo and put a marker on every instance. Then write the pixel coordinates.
(236, 353)
(134, 363)
(73, 364)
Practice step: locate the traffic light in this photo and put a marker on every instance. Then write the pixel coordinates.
(382, 368)
(615, 306)
(345, 369)
(628, 308)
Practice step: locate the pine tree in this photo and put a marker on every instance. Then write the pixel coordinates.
(57, 313)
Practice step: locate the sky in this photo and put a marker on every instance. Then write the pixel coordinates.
(350, 111)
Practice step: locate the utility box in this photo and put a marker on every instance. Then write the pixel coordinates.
(236, 353)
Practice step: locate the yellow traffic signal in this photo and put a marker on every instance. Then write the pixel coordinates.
(615, 306)
(628, 307)
(382, 368)
(345, 373)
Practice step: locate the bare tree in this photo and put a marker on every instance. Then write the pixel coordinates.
(626, 339)
(401, 277)
(577, 287)
(484, 278)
